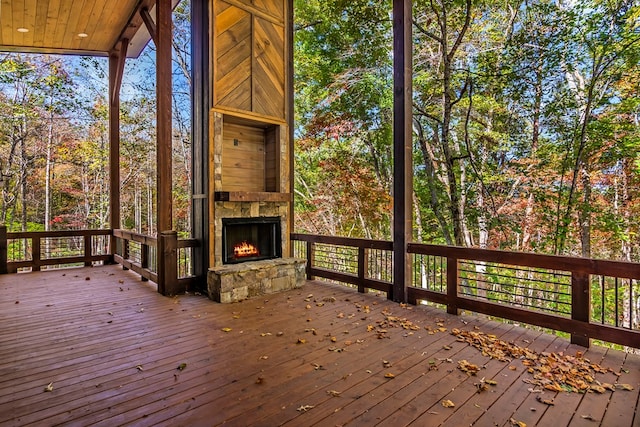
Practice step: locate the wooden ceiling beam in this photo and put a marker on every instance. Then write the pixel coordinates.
(135, 21)
(148, 21)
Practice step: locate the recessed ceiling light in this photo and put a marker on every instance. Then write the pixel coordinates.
(83, 35)
(23, 30)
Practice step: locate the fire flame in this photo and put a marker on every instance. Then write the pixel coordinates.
(245, 249)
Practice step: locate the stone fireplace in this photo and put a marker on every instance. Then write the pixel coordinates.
(250, 213)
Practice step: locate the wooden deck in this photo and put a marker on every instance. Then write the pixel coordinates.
(117, 353)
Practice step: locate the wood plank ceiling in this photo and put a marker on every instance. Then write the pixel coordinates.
(80, 27)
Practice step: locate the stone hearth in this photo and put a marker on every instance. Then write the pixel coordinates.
(236, 282)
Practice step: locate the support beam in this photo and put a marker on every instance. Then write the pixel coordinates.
(164, 114)
(402, 147)
(116, 69)
(167, 255)
(148, 22)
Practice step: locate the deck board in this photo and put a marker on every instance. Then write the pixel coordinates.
(111, 346)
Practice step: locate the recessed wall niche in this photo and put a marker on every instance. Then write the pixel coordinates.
(250, 155)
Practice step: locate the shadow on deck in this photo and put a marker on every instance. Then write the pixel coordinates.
(115, 352)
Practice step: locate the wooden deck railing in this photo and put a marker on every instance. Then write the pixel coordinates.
(139, 253)
(33, 251)
(587, 298)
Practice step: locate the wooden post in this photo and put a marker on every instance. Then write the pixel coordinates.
(164, 114)
(362, 268)
(168, 264)
(310, 249)
(36, 254)
(452, 286)
(580, 304)
(116, 69)
(3, 249)
(402, 146)
(167, 273)
(144, 258)
(87, 250)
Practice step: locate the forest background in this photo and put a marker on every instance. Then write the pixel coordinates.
(526, 127)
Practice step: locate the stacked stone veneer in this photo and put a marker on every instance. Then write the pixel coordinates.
(236, 282)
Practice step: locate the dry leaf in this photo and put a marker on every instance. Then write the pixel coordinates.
(181, 367)
(627, 387)
(305, 408)
(301, 341)
(49, 387)
(448, 404)
(226, 329)
(259, 380)
(139, 368)
(517, 423)
(467, 367)
(386, 364)
(588, 417)
(545, 401)
(333, 393)
(389, 375)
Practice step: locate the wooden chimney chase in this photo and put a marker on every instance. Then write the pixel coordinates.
(249, 155)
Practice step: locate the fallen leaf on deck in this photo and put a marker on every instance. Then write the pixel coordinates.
(448, 404)
(226, 329)
(265, 334)
(389, 375)
(49, 387)
(305, 408)
(545, 401)
(386, 364)
(627, 387)
(259, 380)
(517, 423)
(597, 388)
(181, 367)
(333, 393)
(467, 367)
(139, 368)
(301, 341)
(588, 417)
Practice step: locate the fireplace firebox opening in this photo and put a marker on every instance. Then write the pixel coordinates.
(250, 239)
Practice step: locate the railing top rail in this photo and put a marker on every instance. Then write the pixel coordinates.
(344, 241)
(57, 233)
(629, 270)
(188, 243)
(136, 237)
